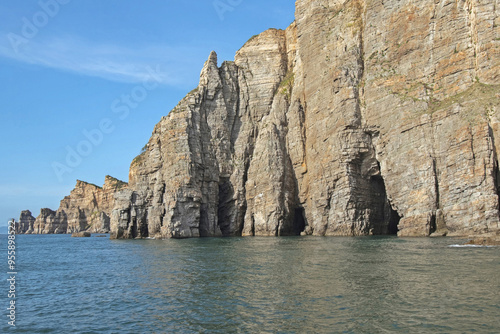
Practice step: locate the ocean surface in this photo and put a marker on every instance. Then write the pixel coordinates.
(252, 285)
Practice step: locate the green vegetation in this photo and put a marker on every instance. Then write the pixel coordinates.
(481, 98)
(91, 184)
(286, 85)
(477, 103)
(144, 148)
(373, 55)
(117, 183)
(138, 159)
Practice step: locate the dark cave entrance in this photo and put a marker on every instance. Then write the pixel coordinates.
(226, 208)
(433, 225)
(385, 219)
(394, 218)
(299, 221)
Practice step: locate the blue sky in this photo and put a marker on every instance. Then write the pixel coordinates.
(84, 82)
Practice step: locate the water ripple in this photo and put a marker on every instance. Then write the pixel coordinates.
(255, 285)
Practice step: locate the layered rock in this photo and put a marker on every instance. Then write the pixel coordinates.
(192, 179)
(26, 223)
(363, 117)
(50, 222)
(87, 208)
(431, 93)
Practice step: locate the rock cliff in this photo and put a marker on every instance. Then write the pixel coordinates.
(87, 208)
(26, 223)
(361, 118)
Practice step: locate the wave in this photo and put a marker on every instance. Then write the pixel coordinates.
(473, 246)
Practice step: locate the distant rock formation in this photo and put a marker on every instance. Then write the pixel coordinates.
(26, 223)
(81, 235)
(361, 118)
(87, 208)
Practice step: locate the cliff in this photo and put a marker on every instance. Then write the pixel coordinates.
(26, 223)
(361, 118)
(87, 208)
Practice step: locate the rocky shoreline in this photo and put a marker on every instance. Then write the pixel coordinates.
(484, 241)
(361, 118)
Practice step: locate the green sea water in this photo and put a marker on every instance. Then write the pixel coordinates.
(252, 285)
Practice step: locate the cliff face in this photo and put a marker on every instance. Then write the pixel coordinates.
(26, 223)
(87, 208)
(363, 117)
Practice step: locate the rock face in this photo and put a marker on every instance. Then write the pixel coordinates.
(26, 223)
(81, 235)
(363, 117)
(87, 208)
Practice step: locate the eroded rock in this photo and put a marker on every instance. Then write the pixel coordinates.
(361, 118)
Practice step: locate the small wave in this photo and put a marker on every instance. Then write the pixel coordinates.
(468, 246)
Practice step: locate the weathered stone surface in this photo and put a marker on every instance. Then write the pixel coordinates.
(429, 92)
(484, 241)
(26, 222)
(81, 235)
(361, 118)
(50, 222)
(87, 208)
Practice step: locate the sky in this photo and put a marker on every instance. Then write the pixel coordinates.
(83, 83)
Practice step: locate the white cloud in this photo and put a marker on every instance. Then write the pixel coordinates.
(107, 61)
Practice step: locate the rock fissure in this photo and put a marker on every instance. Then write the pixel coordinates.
(304, 133)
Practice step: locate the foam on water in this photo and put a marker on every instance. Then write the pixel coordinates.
(470, 246)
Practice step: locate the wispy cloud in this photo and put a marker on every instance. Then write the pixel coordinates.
(107, 61)
(21, 191)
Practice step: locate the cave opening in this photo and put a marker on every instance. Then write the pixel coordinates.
(496, 179)
(133, 230)
(432, 224)
(226, 207)
(299, 221)
(385, 219)
(394, 218)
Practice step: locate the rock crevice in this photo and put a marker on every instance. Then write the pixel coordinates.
(361, 118)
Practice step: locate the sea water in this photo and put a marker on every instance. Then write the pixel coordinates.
(252, 285)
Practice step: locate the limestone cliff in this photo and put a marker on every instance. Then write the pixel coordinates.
(363, 117)
(87, 208)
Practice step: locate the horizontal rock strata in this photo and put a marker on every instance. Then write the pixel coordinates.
(361, 118)
(87, 208)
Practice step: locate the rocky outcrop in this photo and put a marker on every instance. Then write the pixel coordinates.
(81, 235)
(363, 117)
(26, 222)
(491, 241)
(87, 208)
(50, 222)
(193, 177)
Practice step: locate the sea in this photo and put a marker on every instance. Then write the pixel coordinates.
(250, 285)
